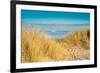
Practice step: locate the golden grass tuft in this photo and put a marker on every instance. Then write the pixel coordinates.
(80, 38)
(38, 47)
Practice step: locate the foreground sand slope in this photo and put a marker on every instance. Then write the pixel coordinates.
(38, 47)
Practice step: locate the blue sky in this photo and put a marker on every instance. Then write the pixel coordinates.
(56, 24)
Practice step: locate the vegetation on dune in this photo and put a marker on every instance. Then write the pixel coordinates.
(38, 47)
(80, 38)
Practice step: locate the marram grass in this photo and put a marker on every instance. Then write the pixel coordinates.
(38, 47)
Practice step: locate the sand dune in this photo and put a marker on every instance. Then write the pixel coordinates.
(38, 47)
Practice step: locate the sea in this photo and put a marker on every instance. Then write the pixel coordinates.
(56, 31)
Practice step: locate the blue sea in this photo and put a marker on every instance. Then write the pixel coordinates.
(57, 30)
(57, 34)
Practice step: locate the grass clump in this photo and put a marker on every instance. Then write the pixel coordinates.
(38, 47)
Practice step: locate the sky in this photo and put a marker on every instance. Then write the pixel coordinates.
(54, 22)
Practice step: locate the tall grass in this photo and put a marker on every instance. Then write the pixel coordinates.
(38, 47)
(80, 38)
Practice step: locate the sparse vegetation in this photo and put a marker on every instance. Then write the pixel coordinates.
(38, 47)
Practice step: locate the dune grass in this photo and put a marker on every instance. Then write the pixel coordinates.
(80, 38)
(38, 47)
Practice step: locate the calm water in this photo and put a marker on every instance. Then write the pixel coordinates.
(58, 34)
(56, 31)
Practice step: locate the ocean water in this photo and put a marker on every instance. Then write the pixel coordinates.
(54, 30)
(58, 34)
